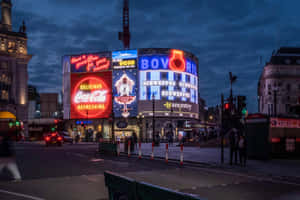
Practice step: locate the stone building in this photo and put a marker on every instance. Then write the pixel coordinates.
(279, 83)
(13, 66)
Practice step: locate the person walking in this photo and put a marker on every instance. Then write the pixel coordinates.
(232, 145)
(242, 150)
(7, 157)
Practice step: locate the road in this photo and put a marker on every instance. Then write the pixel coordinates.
(75, 172)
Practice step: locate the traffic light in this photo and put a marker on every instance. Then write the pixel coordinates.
(226, 106)
(17, 123)
(245, 112)
(10, 124)
(242, 105)
(53, 129)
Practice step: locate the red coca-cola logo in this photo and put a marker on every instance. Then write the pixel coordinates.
(91, 98)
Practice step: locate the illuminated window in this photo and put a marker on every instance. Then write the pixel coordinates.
(4, 95)
(3, 46)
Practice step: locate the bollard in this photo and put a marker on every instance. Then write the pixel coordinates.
(181, 154)
(152, 154)
(129, 142)
(140, 150)
(167, 156)
(118, 148)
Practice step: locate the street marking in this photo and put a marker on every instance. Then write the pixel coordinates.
(96, 160)
(21, 195)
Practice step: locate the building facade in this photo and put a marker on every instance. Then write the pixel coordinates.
(13, 67)
(143, 91)
(279, 83)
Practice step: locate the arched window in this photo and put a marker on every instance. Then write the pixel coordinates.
(5, 82)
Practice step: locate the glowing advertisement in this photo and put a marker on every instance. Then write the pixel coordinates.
(91, 95)
(125, 93)
(90, 62)
(172, 77)
(124, 59)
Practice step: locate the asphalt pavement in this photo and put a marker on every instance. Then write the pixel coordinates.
(76, 172)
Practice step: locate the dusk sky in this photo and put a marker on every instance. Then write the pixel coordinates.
(224, 35)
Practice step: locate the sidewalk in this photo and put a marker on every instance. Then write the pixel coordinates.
(212, 156)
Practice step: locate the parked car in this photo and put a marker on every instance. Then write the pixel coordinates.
(66, 137)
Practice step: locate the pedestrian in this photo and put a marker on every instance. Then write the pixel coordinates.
(77, 137)
(242, 150)
(232, 144)
(7, 157)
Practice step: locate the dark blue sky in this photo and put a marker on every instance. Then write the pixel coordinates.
(225, 35)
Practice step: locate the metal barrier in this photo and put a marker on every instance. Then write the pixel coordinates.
(124, 188)
(120, 187)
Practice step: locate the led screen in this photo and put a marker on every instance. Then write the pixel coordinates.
(95, 62)
(124, 59)
(91, 95)
(125, 93)
(171, 76)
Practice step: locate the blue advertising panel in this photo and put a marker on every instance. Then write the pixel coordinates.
(171, 78)
(94, 62)
(124, 59)
(125, 93)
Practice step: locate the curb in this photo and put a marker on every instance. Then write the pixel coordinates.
(257, 176)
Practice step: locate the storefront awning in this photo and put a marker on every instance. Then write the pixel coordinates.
(7, 115)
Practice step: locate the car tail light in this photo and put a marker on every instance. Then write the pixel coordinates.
(275, 140)
(53, 134)
(297, 139)
(59, 138)
(47, 138)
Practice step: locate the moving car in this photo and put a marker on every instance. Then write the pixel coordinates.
(53, 138)
(66, 137)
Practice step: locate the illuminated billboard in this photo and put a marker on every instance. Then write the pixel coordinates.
(91, 95)
(95, 62)
(124, 59)
(171, 77)
(125, 93)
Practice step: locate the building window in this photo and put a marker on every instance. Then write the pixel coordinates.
(287, 108)
(288, 87)
(164, 75)
(4, 95)
(270, 109)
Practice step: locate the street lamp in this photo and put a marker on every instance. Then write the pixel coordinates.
(153, 116)
(140, 118)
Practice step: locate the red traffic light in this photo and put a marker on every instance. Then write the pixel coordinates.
(226, 106)
(55, 121)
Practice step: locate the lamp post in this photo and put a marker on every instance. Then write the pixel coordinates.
(153, 117)
(112, 118)
(140, 118)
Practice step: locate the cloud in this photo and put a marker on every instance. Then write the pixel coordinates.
(225, 36)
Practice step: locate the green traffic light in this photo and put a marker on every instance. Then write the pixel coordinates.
(10, 124)
(52, 129)
(17, 123)
(244, 111)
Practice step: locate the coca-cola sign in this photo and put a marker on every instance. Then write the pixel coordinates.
(91, 95)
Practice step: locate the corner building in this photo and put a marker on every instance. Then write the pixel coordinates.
(141, 91)
(13, 69)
